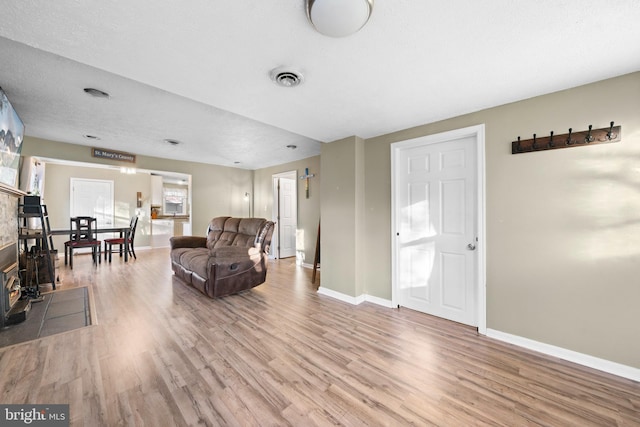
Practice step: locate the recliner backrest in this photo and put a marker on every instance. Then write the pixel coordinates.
(228, 231)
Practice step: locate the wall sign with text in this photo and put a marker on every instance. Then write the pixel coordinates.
(113, 155)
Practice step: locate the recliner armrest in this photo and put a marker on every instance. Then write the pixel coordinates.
(188, 242)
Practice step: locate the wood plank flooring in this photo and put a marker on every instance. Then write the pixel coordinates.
(163, 354)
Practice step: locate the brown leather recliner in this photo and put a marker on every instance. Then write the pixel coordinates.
(232, 258)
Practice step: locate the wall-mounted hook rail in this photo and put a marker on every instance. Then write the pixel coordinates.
(567, 140)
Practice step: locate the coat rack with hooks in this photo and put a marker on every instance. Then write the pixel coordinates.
(567, 140)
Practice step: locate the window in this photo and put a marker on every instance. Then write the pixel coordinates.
(174, 200)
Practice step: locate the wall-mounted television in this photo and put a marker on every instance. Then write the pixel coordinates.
(11, 135)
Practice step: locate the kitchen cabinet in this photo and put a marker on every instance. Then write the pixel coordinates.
(181, 226)
(177, 227)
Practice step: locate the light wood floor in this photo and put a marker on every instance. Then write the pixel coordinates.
(164, 355)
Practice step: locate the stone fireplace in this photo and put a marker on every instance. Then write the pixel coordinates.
(10, 292)
(10, 286)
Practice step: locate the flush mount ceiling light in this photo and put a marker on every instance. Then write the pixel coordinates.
(339, 18)
(96, 92)
(285, 77)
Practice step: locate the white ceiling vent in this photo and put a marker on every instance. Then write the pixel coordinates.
(286, 78)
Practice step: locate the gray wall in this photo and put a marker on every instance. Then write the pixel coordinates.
(563, 226)
(342, 216)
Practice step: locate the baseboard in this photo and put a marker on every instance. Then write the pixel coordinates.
(340, 296)
(379, 301)
(569, 355)
(355, 300)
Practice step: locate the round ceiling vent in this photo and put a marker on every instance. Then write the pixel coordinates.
(286, 78)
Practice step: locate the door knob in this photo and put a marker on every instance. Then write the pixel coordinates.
(471, 247)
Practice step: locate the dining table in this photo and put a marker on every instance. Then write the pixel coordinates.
(122, 232)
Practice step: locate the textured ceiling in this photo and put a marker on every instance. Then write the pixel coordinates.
(198, 71)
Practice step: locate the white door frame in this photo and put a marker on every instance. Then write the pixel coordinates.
(476, 132)
(275, 241)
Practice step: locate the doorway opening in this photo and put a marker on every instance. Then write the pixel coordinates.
(138, 194)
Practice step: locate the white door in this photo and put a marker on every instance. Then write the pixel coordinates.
(92, 197)
(436, 227)
(285, 214)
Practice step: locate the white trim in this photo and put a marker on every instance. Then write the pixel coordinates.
(482, 230)
(478, 132)
(379, 301)
(355, 300)
(143, 248)
(340, 296)
(309, 266)
(569, 355)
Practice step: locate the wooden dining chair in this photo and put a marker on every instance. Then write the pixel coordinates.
(120, 241)
(83, 234)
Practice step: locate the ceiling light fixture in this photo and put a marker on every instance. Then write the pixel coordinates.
(286, 78)
(292, 146)
(96, 92)
(339, 18)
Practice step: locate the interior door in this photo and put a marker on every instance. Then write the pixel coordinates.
(436, 228)
(93, 197)
(285, 214)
